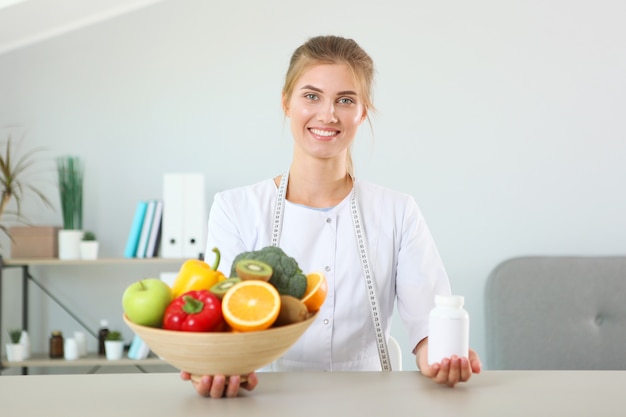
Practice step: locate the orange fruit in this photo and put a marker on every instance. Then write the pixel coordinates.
(316, 289)
(251, 305)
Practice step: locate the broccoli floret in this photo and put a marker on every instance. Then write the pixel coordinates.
(287, 276)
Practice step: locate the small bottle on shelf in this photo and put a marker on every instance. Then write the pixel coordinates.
(102, 335)
(56, 345)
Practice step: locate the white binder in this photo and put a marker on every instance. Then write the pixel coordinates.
(183, 233)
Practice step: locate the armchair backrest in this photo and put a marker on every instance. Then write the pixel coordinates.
(557, 312)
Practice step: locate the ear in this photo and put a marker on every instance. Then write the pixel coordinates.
(285, 104)
(364, 115)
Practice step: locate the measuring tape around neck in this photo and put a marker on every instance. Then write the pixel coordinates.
(279, 210)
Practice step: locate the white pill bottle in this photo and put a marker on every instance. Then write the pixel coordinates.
(448, 326)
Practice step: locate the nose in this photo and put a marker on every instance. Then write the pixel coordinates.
(326, 113)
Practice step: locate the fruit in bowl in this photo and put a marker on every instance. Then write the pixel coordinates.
(237, 325)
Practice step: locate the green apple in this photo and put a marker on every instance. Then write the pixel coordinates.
(145, 301)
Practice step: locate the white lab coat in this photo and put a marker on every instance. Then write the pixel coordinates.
(403, 259)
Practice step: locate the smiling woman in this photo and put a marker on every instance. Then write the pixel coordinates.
(371, 243)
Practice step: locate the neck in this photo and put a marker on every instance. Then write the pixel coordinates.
(319, 187)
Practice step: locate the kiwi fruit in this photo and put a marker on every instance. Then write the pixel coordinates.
(222, 287)
(253, 269)
(292, 310)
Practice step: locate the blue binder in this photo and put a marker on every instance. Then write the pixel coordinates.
(135, 230)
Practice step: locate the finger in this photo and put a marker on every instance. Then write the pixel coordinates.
(454, 374)
(474, 361)
(476, 365)
(466, 370)
(185, 376)
(251, 382)
(217, 387)
(441, 377)
(203, 386)
(232, 389)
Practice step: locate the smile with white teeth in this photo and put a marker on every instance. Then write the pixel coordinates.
(326, 133)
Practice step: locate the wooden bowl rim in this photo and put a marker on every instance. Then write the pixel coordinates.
(225, 334)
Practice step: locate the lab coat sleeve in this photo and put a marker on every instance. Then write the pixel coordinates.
(420, 273)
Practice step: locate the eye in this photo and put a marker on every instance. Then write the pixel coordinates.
(311, 96)
(345, 100)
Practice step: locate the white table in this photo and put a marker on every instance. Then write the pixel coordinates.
(492, 393)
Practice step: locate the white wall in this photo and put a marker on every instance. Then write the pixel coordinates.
(505, 120)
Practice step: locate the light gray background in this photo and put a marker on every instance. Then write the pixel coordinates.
(504, 119)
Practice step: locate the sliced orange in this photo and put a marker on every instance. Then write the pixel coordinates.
(251, 305)
(316, 289)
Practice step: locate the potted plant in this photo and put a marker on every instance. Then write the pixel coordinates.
(114, 345)
(70, 176)
(16, 351)
(15, 169)
(89, 246)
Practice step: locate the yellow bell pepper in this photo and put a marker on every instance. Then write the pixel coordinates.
(196, 275)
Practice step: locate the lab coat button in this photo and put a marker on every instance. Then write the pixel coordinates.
(329, 220)
(327, 268)
(325, 321)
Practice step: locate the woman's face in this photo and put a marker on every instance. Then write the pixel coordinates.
(325, 110)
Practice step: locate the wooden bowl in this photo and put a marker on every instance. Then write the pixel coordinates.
(224, 353)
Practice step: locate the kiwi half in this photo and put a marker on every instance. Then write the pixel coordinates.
(222, 287)
(292, 310)
(253, 269)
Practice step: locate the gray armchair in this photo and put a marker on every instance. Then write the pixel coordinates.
(556, 312)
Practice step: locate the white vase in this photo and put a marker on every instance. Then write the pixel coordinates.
(114, 349)
(69, 244)
(89, 249)
(16, 352)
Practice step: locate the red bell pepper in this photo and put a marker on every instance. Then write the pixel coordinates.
(194, 311)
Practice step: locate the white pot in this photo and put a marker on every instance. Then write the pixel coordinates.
(89, 249)
(114, 349)
(16, 352)
(69, 244)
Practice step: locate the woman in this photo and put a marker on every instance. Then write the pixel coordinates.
(325, 218)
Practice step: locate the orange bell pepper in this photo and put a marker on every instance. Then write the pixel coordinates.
(195, 275)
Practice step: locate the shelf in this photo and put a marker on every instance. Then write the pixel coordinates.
(103, 261)
(91, 359)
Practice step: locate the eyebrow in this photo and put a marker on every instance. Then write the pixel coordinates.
(340, 93)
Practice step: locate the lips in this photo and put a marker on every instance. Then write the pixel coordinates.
(324, 133)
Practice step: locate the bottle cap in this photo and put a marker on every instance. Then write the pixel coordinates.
(449, 300)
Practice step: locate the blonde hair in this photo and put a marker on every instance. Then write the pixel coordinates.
(333, 50)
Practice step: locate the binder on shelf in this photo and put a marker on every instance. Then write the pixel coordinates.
(138, 349)
(135, 230)
(145, 230)
(155, 232)
(183, 231)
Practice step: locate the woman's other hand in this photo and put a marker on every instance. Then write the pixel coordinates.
(218, 386)
(449, 371)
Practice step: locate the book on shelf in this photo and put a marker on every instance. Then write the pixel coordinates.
(155, 231)
(135, 230)
(145, 230)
